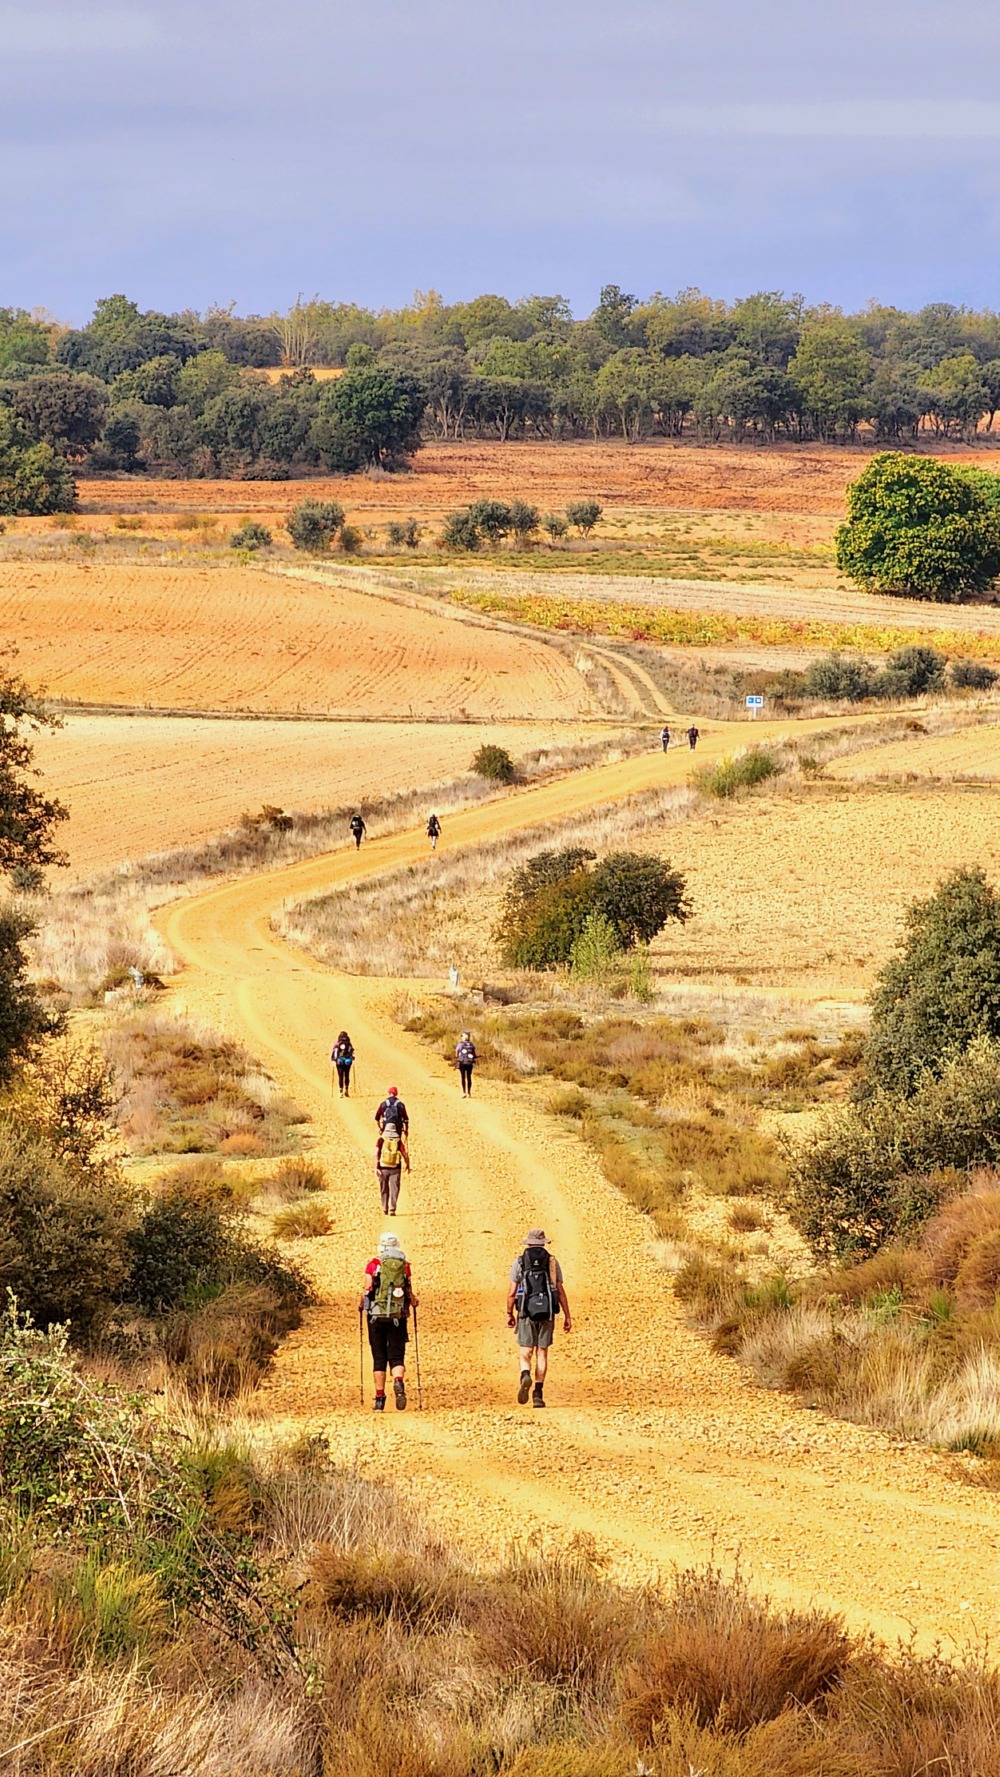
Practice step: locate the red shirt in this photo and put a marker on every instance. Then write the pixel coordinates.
(372, 1267)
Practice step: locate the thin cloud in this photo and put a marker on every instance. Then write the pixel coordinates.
(897, 120)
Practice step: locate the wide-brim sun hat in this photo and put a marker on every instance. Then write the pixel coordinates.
(389, 1243)
(537, 1237)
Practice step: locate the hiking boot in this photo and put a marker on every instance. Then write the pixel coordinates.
(399, 1390)
(379, 1404)
(524, 1387)
(537, 1399)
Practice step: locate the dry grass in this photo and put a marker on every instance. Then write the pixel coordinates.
(186, 1090)
(303, 1221)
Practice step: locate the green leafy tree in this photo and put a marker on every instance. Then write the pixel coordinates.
(313, 524)
(63, 1230)
(22, 339)
(637, 895)
(942, 991)
(919, 528)
(551, 900)
(524, 520)
(34, 479)
(830, 371)
(232, 422)
(380, 410)
(122, 441)
(203, 377)
(157, 382)
(624, 388)
(66, 412)
(958, 393)
(612, 316)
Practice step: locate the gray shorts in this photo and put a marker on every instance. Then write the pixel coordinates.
(534, 1333)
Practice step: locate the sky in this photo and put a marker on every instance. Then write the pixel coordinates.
(191, 152)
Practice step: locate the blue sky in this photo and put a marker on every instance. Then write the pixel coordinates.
(190, 153)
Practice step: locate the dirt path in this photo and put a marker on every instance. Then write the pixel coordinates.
(651, 1445)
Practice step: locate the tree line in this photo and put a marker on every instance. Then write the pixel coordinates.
(186, 394)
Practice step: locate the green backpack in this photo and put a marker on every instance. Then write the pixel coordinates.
(390, 1298)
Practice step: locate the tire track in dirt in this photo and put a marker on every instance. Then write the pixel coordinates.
(652, 1445)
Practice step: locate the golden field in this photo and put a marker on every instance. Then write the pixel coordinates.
(972, 753)
(140, 784)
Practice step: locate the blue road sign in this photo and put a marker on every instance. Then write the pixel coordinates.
(755, 703)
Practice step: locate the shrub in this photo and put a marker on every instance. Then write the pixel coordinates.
(584, 514)
(555, 526)
(251, 536)
(524, 520)
(495, 764)
(744, 771)
(403, 533)
(313, 524)
(919, 528)
(840, 678)
(181, 1242)
(461, 531)
(351, 539)
(493, 519)
(553, 899)
(972, 675)
(64, 1232)
(303, 1221)
(942, 990)
(911, 672)
(596, 949)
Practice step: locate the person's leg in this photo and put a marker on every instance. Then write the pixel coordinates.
(397, 1364)
(543, 1338)
(393, 1184)
(524, 1352)
(383, 1190)
(377, 1344)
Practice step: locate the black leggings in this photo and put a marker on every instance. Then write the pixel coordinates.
(465, 1071)
(344, 1077)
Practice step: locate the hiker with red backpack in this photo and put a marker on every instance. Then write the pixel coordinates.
(390, 1157)
(386, 1298)
(534, 1294)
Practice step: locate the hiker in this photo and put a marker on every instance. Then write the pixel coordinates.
(535, 1292)
(358, 830)
(342, 1056)
(393, 1110)
(390, 1157)
(465, 1055)
(664, 737)
(693, 737)
(387, 1297)
(434, 831)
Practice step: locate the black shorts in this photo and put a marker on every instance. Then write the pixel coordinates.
(387, 1339)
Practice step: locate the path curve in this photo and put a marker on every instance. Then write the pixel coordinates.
(651, 1445)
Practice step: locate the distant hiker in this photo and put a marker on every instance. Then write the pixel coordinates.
(386, 1298)
(434, 831)
(465, 1055)
(453, 977)
(342, 1056)
(664, 737)
(535, 1292)
(390, 1157)
(693, 737)
(358, 829)
(393, 1110)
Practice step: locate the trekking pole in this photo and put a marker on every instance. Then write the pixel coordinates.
(416, 1347)
(361, 1351)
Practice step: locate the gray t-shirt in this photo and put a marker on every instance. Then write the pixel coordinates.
(517, 1271)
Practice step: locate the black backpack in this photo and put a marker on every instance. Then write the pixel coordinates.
(357, 824)
(538, 1294)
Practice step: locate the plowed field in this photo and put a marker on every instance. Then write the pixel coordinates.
(973, 753)
(235, 639)
(785, 479)
(138, 784)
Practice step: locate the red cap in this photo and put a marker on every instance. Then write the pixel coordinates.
(393, 1092)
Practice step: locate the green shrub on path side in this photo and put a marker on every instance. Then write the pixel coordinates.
(64, 1233)
(918, 528)
(552, 901)
(742, 772)
(941, 992)
(495, 764)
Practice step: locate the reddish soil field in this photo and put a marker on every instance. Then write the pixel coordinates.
(727, 477)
